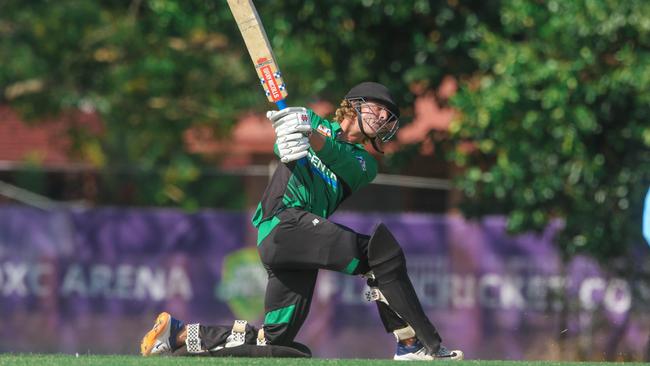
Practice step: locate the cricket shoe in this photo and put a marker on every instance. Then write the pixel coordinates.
(417, 352)
(162, 337)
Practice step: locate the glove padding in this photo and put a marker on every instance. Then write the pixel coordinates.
(289, 121)
(292, 147)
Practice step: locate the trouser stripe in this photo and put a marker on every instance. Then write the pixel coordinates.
(351, 266)
(280, 316)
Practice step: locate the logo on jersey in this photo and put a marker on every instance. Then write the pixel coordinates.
(362, 162)
(318, 167)
(324, 131)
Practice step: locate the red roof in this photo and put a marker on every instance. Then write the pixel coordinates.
(44, 143)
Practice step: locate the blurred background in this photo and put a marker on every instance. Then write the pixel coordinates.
(134, 149)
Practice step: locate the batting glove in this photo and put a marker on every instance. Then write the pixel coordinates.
(289, 121)
(292, 147)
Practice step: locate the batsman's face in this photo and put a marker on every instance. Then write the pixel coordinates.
(378, 121)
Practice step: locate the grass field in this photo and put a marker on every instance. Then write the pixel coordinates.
(121, 360)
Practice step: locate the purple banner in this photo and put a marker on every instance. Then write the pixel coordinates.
(93, 281)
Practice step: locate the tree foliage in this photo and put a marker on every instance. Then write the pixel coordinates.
(558, 115)
(150, 69)
(153, 68)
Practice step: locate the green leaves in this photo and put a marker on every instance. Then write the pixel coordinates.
(563, 95)
(152, 69)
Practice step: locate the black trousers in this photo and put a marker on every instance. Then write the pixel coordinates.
(300, 245)
(294, 251)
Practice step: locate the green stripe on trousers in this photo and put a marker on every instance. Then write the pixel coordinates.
(279, 316)
(351, 266)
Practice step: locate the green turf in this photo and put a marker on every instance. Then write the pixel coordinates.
(64, 360)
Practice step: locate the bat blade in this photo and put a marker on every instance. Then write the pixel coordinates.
(259, 48)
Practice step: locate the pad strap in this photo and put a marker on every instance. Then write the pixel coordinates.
(373, 294)
(193, 340)
(261, 338)
(237, 336)
(404, 333)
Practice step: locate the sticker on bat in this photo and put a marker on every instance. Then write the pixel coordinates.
(262, 62)
(271, 83)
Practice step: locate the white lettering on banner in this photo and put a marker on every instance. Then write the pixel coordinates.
(150, 282)
(100, 278)
(438, 288)
(511, 293)
(462, 291)
(36, 274)
(74, 282)
(15, 274)
(615, 295)
(95, 281)
(123, 282)
(618, 297)
(590, 292)
(488, 290)
(179, 284)
(556, 285)
(537, 293)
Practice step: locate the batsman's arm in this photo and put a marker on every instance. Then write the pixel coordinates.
(356, 168)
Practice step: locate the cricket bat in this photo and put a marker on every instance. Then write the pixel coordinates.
(259, 48)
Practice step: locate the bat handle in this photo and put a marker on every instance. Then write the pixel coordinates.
(281, 104)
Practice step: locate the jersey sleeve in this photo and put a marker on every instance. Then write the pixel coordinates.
(355, 166)
(314, 119)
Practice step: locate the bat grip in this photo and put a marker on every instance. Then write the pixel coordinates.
(281, 104)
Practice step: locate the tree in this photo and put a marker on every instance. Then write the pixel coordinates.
(153, 68)
(557, 113)
(150, 70)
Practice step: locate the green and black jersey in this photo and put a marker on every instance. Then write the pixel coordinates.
(317, 183)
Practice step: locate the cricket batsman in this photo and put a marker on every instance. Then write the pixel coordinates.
(324, 162)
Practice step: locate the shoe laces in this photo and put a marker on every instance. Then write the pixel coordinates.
(419, 349)
(414, 348)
